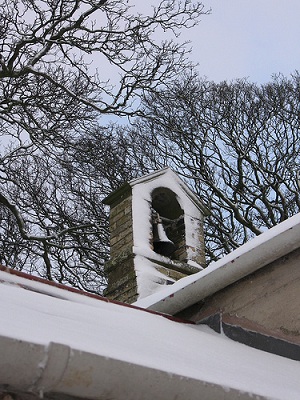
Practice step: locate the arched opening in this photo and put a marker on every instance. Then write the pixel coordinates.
(168, 227)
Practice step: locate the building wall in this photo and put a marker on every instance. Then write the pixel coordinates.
(266, 302)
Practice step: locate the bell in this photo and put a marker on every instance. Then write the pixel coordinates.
(161, 243)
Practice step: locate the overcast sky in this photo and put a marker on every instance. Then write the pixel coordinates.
(247, 38)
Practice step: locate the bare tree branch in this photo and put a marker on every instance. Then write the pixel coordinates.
(237, 144)
(63, 65)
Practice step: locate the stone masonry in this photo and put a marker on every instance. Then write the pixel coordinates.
(120, 269)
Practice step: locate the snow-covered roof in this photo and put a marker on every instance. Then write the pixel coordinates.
(255, 254)
(79, 346)
(168, 179)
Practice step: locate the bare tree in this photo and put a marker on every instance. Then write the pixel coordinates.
(63, 65)
(62, 61)
(57, 226)
(237, 144)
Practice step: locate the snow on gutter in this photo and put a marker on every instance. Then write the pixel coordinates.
(59, 370)
(255, 254)
(56, 347)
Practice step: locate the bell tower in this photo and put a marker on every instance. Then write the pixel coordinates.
(156, 235)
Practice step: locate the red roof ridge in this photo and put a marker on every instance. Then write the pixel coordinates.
(95, 296)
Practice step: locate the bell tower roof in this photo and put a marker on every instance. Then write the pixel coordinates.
(167, 176)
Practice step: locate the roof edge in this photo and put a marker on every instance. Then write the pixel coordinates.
(277, 242)
(50, 372)
(118, 194)
(153, 175)
(64, 292)
(126, 188)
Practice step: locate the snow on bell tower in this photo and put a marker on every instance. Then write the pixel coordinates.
(156, 235)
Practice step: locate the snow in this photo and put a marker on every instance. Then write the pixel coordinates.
(149, 279)
(144, 339)
(258, 252)
(141, 210)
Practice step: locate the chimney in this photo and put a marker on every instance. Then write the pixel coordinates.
(156, 235)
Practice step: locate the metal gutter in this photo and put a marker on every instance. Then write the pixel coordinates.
(58, 370)
(257, 253)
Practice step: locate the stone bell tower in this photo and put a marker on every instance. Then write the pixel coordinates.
(156, 235)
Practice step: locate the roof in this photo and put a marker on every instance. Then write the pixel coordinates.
(58, 290)
(253, 255)
(165, 173)
(60, 342)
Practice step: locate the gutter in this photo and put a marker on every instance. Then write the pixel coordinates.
(57, 370)
(253, 255)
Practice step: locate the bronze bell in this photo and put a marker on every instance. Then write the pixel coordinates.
(161, 243)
